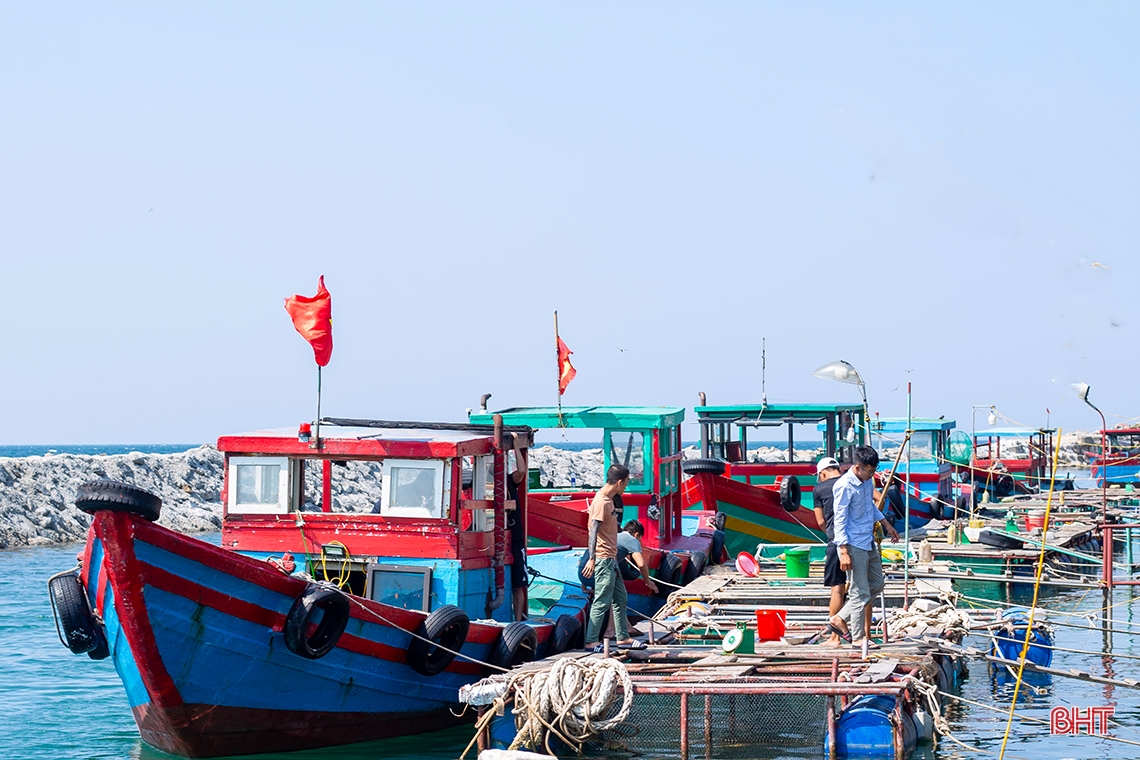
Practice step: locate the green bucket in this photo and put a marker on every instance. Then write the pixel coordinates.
(798, 563)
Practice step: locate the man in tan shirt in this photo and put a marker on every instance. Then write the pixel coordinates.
(609, 588)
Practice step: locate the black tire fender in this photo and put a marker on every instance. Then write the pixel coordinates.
(444, 627)
(696, 566)
(716, 548)
(696, 466)
(790, 493)
(101, 650)
(334, 609)
(895, 499)
(937, 508)
(518, 643)
(1003, 485)
(96, 495)
(669, 571)
(567, 635)
(75, 624)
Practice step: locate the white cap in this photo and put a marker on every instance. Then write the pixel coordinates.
(825, 463)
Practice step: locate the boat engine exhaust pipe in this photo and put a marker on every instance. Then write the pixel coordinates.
(701, 394)
(483, 403)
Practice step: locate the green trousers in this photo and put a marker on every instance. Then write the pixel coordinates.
(609, 591)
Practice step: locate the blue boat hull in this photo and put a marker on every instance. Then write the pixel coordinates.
(196, 635)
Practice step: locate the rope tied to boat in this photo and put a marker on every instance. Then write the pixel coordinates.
(573, 700)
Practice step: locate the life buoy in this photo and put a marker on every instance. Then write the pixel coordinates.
(444, 627)
(334, 609)
(96, 495)
(518, 643)
(567, 635)
(790, 493)
(75, 624)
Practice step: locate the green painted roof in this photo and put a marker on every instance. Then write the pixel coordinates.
(898, 424)
(807, 412)
(611, 417)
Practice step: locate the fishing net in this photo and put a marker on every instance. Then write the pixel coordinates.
(719, 726)
(959, 448)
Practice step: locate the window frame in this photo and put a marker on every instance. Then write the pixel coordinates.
(284, 474)
(441, 482)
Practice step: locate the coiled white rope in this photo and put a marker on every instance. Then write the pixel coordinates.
(573, 700)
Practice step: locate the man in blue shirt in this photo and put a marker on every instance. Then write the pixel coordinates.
(855, 516)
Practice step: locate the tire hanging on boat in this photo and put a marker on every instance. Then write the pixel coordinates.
(1003, 486)
(669, 571)
(518, 643)
(96, 495)
(790, 493)
(696, 566)
(696, 466)
(334, 609)
(75, 624)
(444, 627)
(567, 635)
(716, 549)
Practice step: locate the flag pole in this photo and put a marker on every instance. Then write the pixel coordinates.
(317, 438)
(557, 368)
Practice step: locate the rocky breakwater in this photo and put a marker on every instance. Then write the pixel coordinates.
(37, 494)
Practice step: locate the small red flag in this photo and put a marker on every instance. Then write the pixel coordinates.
(312, 316)
(566, 371)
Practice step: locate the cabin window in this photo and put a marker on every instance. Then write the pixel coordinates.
(403, 586)
(414, 488)
(921, 445)
(668, 480)
(627, 447)
(259, 485)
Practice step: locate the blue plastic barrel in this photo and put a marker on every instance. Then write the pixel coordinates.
(865, 728)
(1008, 643)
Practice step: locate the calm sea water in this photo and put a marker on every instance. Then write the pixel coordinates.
(57, 705)
(92, 448)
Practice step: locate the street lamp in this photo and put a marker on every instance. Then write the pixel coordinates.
(843, 372)
(1082, 390)
(992, 419)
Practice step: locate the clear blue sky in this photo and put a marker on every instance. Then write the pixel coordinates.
(950, 190)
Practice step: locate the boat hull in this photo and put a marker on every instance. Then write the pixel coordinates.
(196, 635)
(753, 514)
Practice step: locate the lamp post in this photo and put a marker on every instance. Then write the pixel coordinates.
(1082, 390)
(843, 372)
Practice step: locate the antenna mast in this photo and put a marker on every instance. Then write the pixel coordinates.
(763, 372)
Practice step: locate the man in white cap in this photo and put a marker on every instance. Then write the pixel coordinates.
(826, 474)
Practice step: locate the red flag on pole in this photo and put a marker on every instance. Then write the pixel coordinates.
(566, 371)
(312, 316)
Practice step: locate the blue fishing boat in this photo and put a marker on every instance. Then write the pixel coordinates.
(353, 622)
(678, 543)
(929, 491)
(1119, 462)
